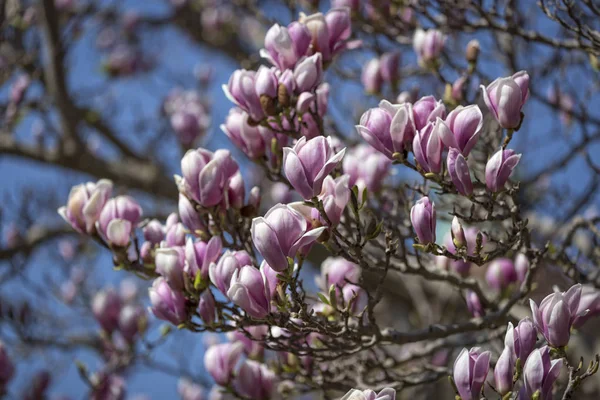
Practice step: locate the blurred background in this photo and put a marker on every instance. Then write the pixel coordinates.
(95, 89)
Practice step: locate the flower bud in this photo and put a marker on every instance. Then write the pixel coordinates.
(521, 266)
(589, 305)
(251, 140)
(167, 304)
(308, 163)
(249, 290)
(241, 91)
(189, 216)
(221, 359)
(107, 386)
(470, 372)
(206, 307)
(461, 128)
(427, 109)
(118, 219)
(254, 198)
(200, 255)
(428, 148)
(423, 218)
(521, 340)
(220, 273)
(501, 273)
(170, 263)
(503, 372)
(281, 233)
(474, 304)
(505, 98)
(458, 234)
(206, 175)
(472, 51)
(371, 77)
(555, 315)
(499, 168)
(388, 128)
(308, 73)
(389, 65)
(154, 232)
(540, 373)
(458, 169)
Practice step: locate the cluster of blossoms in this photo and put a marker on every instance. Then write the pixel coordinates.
(219, 266)
(520, 358)
(188, 114)
(120, 312)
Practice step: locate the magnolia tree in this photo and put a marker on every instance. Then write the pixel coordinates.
(400, 200)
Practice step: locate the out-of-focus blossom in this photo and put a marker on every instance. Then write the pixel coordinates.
(389, 64)
(188, 115)
(329, 32)
(253, 347)
(221, 359)
(281, 233)
(472, 51)
(106, 306)
(85, 204)
(505, 98)
(521, 266)
(255, 380)
(474, 304)
(501, 273)
(132, 321)
(365, 167)
(284, 46)
(107, 387)
(428, 44)
(371, 76)
(189, 390)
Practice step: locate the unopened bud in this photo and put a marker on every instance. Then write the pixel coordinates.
(268, 104)
(472, 52)
(283, 96)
